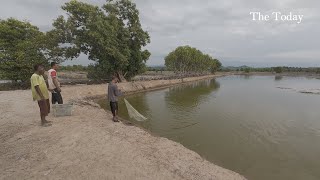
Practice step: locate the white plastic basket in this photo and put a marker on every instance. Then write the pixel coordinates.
(60, 110)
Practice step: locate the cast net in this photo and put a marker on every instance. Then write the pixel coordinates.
(133, 113)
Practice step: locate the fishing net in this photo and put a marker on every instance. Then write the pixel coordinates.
(133, 113)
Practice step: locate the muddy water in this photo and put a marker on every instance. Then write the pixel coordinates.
(259, 126)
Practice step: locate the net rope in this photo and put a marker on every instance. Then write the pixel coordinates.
(133, 113)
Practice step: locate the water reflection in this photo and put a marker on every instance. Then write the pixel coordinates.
(247, 76)
(278, 78)
(190, 95)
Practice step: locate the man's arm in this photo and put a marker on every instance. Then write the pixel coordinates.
(117, 92)
(39, 92)
(35, 83)
(55, 82)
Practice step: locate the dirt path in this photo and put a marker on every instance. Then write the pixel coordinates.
(88, 145)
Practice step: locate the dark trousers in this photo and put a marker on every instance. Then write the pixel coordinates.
(114, 107)
(56, 97)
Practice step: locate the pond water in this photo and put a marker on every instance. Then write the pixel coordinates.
(259, 126)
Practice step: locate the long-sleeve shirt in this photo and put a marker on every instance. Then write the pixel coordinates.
(113, 92)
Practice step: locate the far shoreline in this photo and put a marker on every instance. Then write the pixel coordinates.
(7, 86)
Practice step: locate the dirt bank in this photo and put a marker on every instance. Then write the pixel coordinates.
(88, 145)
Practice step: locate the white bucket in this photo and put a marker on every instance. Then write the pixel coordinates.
(60, 110)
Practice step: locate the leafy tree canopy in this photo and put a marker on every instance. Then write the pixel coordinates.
(111, 35)
(21, 46)
(187, 59)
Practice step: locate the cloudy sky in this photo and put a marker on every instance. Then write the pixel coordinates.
(223, 29)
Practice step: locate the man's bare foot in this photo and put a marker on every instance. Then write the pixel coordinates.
(46, 124)
(115, 119)
(45, 121)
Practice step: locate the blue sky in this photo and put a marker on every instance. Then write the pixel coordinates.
(223, 29)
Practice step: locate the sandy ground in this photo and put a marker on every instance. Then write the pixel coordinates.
(88, 145)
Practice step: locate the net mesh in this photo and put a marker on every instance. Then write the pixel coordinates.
(133, 113)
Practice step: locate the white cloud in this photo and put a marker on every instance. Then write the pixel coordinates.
(297, 55)
(222, 28)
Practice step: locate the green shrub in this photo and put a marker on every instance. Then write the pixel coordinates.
(278, 69)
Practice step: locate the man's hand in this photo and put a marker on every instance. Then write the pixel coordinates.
(39, 92)
(56, 84)
(120, 92)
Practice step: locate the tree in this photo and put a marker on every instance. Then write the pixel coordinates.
(278, 69)
(215, 65)
(111, 35)
(247, 70)
(187, 59)
(21, 47)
